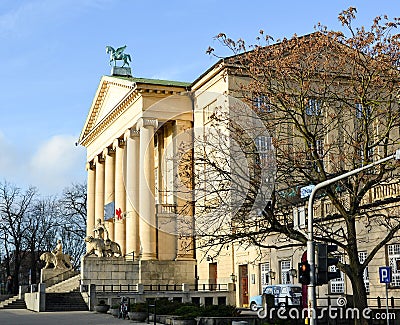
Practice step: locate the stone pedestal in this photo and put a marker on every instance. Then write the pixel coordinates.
(121, 71)
(52, 276)
(117, 271)
(108, 271)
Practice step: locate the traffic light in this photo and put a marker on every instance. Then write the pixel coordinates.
(324, 262)
(304, 272)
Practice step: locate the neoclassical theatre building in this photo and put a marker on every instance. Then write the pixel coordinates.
(139, 140)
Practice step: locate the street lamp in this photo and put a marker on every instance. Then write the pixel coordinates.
(293, 273)
(310, 235)
(272, 275)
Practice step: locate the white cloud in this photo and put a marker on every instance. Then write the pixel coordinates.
(8, 158)
(57, 164)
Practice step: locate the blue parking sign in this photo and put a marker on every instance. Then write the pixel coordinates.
(385, 274)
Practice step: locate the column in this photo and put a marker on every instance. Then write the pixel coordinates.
(99, 196)
(132, 194)
(119, 225)
(109, 180)
(90, 203)
(183, 187)
(147, 211)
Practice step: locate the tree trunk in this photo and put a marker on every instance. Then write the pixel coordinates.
(360, 302)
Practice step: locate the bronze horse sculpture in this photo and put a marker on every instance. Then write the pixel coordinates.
(118, 55)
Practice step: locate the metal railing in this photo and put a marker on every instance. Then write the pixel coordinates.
(162, 287)
(209, 287)
(117, 288)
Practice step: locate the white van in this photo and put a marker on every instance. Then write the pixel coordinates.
(280, 292)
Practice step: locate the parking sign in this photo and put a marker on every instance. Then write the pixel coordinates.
(385, 274)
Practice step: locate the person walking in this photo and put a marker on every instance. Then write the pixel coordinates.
(9, 285)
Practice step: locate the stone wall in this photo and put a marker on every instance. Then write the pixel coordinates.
(118, 271)
(167, 272)
(109, 271)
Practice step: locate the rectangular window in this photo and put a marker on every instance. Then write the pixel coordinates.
(263, 145)
(320, 147)
(285, 267)
(264, 274)
(394, 256)
(362, 111)
(362, 256)
(299, 217)
(262, 104)
(314, 107)
(337, 285)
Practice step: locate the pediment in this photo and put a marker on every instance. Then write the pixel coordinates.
(110, 92)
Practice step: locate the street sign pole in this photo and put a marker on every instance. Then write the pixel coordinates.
(312, 304)
(385, 276)
(387, 305)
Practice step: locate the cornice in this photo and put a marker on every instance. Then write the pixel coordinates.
(121, 107)
(110, 117)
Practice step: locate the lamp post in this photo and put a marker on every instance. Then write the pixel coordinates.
(310, 235)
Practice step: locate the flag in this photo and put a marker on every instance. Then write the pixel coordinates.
(118, 213)
(109, 211)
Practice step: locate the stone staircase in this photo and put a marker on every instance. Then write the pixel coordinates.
(13, 303)
(66, 301)
(69, 285)
(65, 296)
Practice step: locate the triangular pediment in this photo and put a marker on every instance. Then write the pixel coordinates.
(109, 93)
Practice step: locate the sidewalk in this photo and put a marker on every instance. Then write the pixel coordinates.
(26, 317)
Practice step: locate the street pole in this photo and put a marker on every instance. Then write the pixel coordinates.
(312, 304)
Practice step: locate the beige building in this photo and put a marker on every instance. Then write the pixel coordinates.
(139, 136)
(129, 139)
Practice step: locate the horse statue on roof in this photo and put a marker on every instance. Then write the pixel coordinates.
(118, 55)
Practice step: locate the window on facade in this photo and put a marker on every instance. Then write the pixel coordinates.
(362, 256)
(366, 157)
(314, 107)
(362, 111)
(337, 285)
(285, 267)
(262, 104)
(394, 256)
(263, 145)
(299, 217)
(320, 147)
(208, 111)
(264, 274)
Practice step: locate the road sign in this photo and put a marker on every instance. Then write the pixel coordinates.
(385, 274)
(306, 191)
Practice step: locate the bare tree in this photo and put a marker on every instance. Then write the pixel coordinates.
(73, 213)
(329, 102)
(15, 209)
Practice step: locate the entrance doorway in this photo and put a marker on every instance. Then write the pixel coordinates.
(212, 276)
(243, 285)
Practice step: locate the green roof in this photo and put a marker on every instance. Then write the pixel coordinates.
(156, 81)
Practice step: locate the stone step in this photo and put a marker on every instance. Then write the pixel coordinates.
(69, 285)
(69, 301)
(17, 304)
(8, 301)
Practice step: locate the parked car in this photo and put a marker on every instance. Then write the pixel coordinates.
(283, 294)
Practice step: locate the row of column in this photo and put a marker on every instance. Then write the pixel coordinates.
(124, 173)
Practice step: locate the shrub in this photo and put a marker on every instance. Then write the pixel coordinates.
(188, 312)
(219, 311)
(139, 307)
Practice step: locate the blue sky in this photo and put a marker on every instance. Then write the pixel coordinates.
(53, 56)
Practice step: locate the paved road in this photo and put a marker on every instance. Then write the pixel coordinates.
(26, 317)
